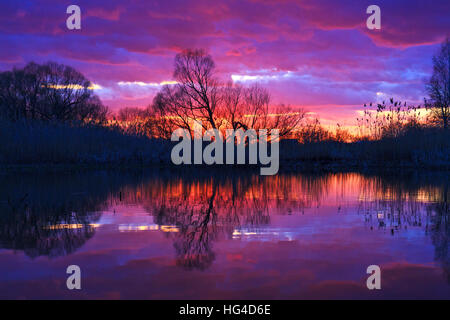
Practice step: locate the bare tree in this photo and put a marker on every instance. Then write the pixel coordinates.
(439, 85)
(249, 108)
(241, 107)
(197, 89)
(169, 109)
(135, 121)
(313, 132)
(66, 90)
(20, 92)
(131, 114)
(231, 109)
(198, 95)
(93, 111)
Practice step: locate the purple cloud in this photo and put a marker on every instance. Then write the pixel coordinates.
(323, 45)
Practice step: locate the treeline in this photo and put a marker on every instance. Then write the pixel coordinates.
(49, 92)
(50, 114)
(390, 133)
(199, 95)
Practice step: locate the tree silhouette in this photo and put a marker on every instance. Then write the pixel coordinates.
(199, 95)
(49, 92)
(439, 85)
(197, 88)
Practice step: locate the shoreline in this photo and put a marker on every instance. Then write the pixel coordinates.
(285, 167)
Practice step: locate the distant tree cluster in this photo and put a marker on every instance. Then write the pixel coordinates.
(49, 92)
(57, 93)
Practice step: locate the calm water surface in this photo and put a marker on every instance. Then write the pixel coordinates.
(204, 235)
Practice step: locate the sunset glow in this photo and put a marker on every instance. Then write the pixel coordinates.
(317, 55)
(231, 157)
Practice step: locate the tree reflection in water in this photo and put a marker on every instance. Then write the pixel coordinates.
(54, 215)
(206, 207)
(440, 231)
(394, 204)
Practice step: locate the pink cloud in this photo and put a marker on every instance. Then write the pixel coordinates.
(335, 60)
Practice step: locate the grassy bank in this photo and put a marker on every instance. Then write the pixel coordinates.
(35, 145)
(418, 147)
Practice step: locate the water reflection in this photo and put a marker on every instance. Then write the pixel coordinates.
(204, 209)
(440, 232)
(52, 215)
(394, 204)
(56, 215)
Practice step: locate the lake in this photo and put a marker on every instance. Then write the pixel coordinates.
(210, 234)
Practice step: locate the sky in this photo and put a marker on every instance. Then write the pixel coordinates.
(315, 54)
